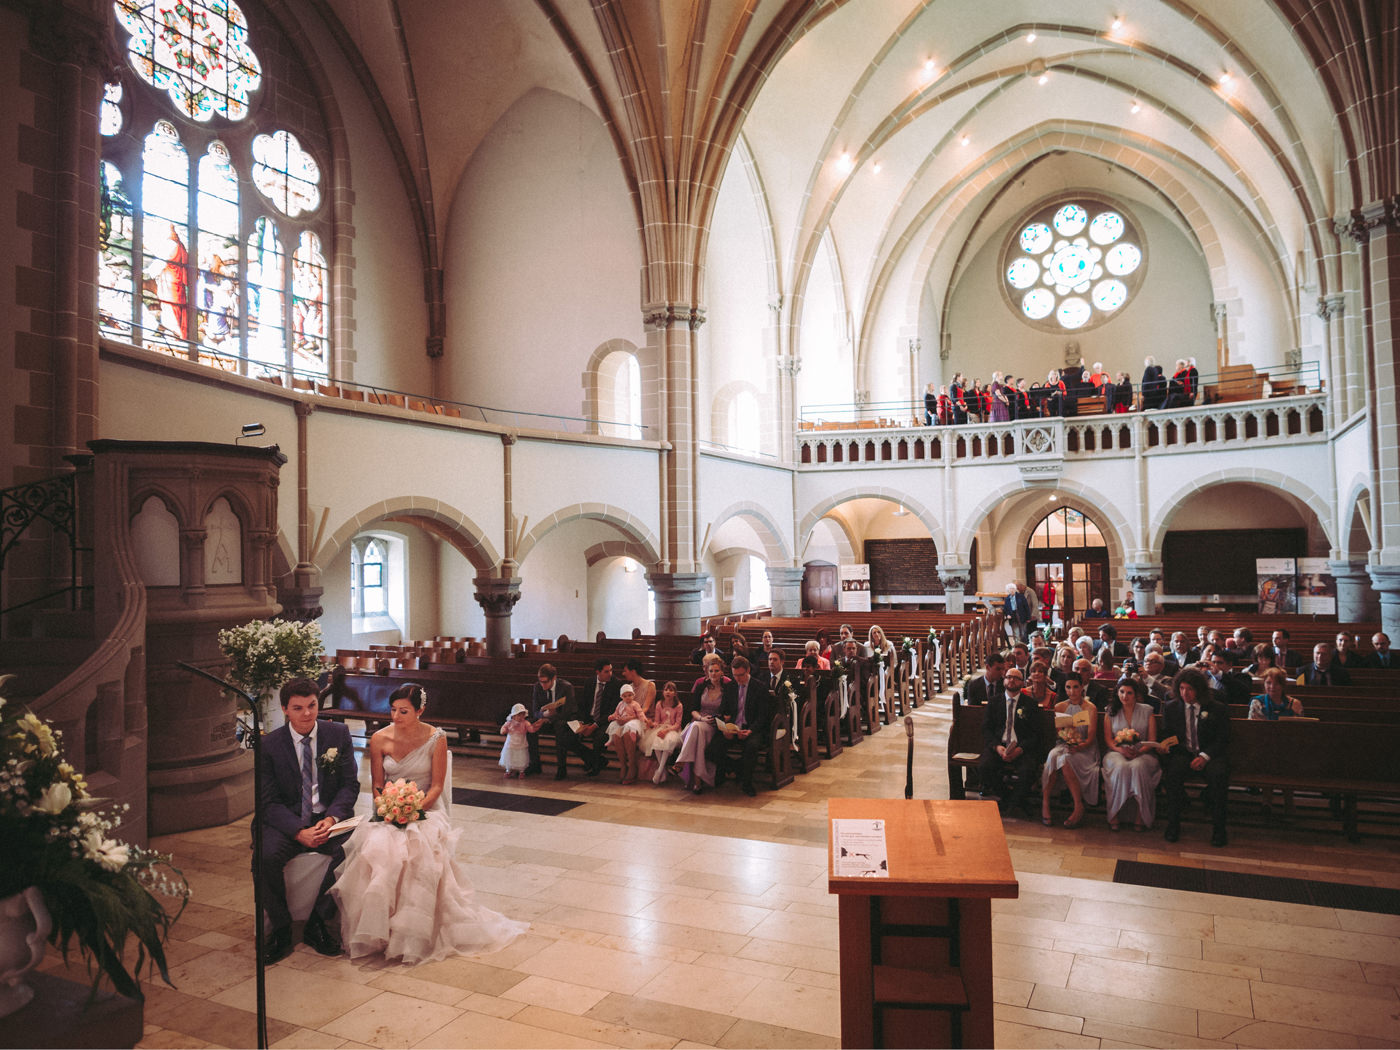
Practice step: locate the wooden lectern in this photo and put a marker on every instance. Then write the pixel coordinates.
(916, 947)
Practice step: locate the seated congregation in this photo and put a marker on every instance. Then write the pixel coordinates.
(1135, 720)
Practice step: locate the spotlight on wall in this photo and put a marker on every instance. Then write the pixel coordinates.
(250, 430)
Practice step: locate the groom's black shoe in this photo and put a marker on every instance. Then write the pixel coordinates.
(319, 937)
(277, 945)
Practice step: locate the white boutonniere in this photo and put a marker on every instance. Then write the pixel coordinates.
(329, 758)
(1205, 715)
(1020, 713)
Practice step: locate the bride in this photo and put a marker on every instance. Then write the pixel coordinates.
(401, 891)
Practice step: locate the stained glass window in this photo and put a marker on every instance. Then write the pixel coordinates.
(165, 236)
(286, 174)
(309, 305)
(196, 51)
(217, 208)
(191, 262)
(114, 244)
(110, 121)
(266, 337)
(1072, 264)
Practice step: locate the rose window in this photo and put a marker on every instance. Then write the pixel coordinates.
(1071, 265)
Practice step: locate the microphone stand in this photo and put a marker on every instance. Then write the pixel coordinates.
(909, 762)
(258, 936)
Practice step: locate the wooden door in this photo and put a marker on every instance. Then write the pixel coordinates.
(819, 587)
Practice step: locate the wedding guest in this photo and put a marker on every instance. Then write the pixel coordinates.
(1274, 701)
(663, 734)
(1074, 758)
(1129, 770)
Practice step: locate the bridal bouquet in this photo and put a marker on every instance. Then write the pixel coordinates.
(54, 837)
(400, 803)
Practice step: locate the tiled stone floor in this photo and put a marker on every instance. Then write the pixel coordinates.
(662, 920)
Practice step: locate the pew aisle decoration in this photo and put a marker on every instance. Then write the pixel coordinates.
(63, 878)
(264, 654)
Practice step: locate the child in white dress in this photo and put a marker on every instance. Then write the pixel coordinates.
(624, 733)
(515, 756)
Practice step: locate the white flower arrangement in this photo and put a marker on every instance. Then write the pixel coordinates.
(97, 889)
(264, 654)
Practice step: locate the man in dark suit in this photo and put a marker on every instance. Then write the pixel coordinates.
(1348, 655)
(1324, 670)
(748, 706)
(1285, 657)
(552, 703)
(776, 670)
(1229, 685)
(605, 691)
(1011, 742)
(988, 687)
(1382, 659)
(1201, 725)
(709, 644)
(308, 782)
(1108, 636)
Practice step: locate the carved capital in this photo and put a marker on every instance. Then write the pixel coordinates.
(953, 581)
(497, 596)
(665, 315)
(915, 345)
(1330, 306)
(789, 365)
(1144, 581)
(434, 345)
(1357, 225)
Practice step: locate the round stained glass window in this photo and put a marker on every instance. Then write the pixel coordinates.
(1022, 273)
(1072, 264)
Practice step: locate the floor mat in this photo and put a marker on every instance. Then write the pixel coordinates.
(1259, 887)
(548, 807)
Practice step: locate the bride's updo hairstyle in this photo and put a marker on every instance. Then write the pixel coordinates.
(413, 693)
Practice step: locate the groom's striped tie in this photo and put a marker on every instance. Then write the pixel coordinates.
(306, 764)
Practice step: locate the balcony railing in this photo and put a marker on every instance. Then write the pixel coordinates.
(1041, 446)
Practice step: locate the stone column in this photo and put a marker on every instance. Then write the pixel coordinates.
(1355, 598)
(677, 601)
(1143, 579)
(669, 380)
(785, 585)
(1386, 579)
(497, 596)
(954, 579)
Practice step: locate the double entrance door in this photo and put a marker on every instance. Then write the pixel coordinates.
(1079, 576)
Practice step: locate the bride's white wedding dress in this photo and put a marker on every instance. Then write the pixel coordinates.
(402, 892)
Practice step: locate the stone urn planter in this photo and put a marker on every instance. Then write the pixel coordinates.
(24, 934)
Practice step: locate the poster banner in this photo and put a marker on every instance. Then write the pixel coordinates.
(1317, 588)
(855, 588)
(1277, 579)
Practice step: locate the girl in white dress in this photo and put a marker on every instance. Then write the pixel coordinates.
(401, 891)
(625, 731)
(515, 755)
(663, 735)
(1128, 770)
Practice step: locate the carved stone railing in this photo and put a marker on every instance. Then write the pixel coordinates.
(1039, 447)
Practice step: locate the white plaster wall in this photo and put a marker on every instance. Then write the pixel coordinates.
(617, 600)
(549, 476)
(1170, 316)
(459, 614)
(415, 607)
(554, 588)
(736, 297)
(726, 482)
(391, 317)
(826, 376)
(541, 259)
(1351, 458)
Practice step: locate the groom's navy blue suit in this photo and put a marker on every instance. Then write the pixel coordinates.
(279, 802)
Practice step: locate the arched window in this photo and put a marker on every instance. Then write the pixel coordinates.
(373, 589)
(379, 581)
(195, 262)
(620, 395)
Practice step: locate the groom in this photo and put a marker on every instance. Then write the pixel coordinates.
(308, 782)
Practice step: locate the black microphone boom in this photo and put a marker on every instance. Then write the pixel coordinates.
(909, 763)
(257, 842)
